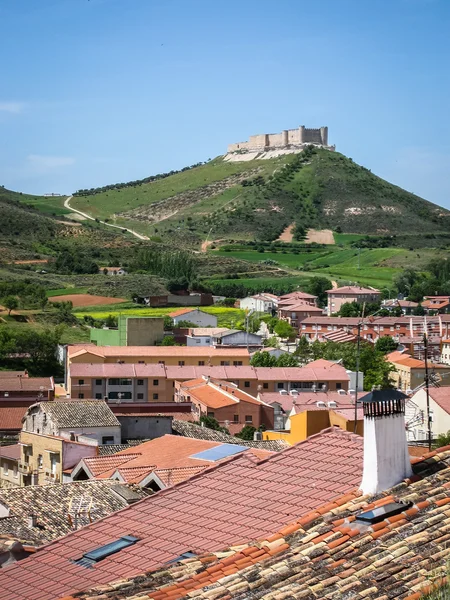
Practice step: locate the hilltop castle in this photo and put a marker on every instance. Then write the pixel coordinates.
(288, 138)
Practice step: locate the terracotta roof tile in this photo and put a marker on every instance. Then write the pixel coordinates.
(11, 417)
(231, 502)
(82, 413)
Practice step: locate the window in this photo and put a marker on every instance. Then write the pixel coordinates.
(280, 386)
(201, 363)
(119, 396)
(181, 363)
(81, 382)
(98, 382)
(116, 381)
(156, 382)
(141, 362)
(247, 384)
(98, 396)
(235, 418)
(40, 461)
(265, 386)
(198, 341)
(108, 439)
(81, 396)
(225, 363)
(237, 363)
(210, 414)
(161, 362)
(140, 396)
(5, 468)
(94, 556)
(53, 462)
(248, 419)
(339, 386)
(15, 471)
(140, 382)
(155, 396)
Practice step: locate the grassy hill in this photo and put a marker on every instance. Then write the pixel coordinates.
(260, 198)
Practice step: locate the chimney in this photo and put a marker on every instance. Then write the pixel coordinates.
(386, 456)
(32, 521)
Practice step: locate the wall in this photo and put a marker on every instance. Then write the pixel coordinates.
(441, 419)
(299, 136)
(144, 331)
(198, 340)
(9, 474)
(73, 453)
(97, 433)
(198, 317)
(338, 420)
(40, 445)
(105, 337)
(145, 427)
(240, 338)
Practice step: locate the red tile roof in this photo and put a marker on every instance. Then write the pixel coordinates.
(352, 290)
(216, 393)
(305, 399)
(184, 311)
(442, 397)
(28, 384)
(150, 351)
(11, 417)
(240, 499)
(12, 451)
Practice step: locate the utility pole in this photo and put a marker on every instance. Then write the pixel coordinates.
(427, 387)
(359, 254)
(358, 350)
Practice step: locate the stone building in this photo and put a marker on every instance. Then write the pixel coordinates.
(302, 136)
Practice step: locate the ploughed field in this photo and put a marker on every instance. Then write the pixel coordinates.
(86, 299)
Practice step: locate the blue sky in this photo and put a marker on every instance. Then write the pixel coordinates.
(98, 91)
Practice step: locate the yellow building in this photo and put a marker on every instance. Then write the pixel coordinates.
(304, 423)
(410, 372)
(44, 458)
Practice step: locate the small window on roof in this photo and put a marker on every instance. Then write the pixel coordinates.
(370, 517)
(89, 559)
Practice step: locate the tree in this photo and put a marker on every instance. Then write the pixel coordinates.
(10, 303)
(386, 344)
(168, 323)
(318, 286)
(443, 439)
(419, 311)
(265, 359)
(287, 360)
(283, 329)
(303, 350)
(271, 342)
(168, 340)
(229, 302)
(350, 309)
(247, 433)
(212, 423)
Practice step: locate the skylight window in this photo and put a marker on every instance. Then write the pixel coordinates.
(94, 556)
(219, 452)
(376, 515)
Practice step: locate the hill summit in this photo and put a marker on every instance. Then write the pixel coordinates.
(259, 199)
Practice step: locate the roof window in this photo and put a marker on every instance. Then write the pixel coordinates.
(89, 559)
(376, 515)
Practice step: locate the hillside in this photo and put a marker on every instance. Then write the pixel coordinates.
(258, 199)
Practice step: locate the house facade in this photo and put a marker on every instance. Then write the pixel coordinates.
(416, 414)
(9, 466)
(339, 296)
(295, 313)
(193, 315)
(263, 303)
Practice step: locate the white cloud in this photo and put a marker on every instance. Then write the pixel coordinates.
(45, 164)
(12, 107)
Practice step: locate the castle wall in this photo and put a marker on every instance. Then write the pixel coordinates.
(294, 137)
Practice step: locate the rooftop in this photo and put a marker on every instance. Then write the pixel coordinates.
(82, 413)
(352, 290)
(193, 430)
(203, 514)
(26, 384)
(55, 506)
(326, 554)
(12, 451)
(11, 417)
(153, 351)
(216, 393)
(185, 311)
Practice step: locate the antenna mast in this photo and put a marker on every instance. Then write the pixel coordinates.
(427, 383)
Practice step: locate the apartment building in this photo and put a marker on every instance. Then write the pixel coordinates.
(296, 312)
(339, 296)
(124, 383)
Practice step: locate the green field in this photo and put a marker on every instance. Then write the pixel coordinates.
(67, 291)
(226, 317)
(49, 206)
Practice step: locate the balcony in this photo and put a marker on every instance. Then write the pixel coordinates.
(52, 477)
(24, 468)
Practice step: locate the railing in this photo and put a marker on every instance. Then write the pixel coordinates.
(24, 468)
(52, 477)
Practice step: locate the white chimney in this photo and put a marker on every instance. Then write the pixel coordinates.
(386, 457)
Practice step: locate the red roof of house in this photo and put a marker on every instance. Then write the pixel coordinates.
(28, 384)
(300, 307)
(442, 397)
(353, 290)
(240, 499)
(183, 311)
(297, 295)
(11, 417)
(216, 393)
(12, 451)
(156, 351)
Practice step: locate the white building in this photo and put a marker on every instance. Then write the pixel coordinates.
(260, 303)
(416, 414)
(237, 337)
(90, 418)
(193, 315)
(203, 336)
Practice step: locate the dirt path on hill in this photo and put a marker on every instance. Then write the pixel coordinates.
(287, 234)
(67, 205)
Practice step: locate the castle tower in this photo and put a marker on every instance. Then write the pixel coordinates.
(324, 135)
(266, 140)
(386, 456)
(285, 137)
(301, 134)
